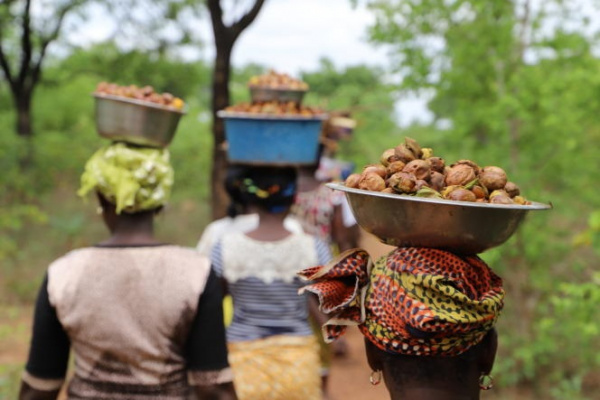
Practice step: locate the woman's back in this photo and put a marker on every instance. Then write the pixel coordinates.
(270, 336)
(128, 312)
(261, 277)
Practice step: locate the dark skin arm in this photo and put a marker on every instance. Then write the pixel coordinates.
(222, 391)
(48, 352)
(29, 393)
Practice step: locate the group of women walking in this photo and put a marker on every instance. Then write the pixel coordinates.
(145, 320)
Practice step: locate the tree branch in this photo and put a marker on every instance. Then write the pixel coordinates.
(25, 44)
(239, 26)
(37, 68)
(5, 67)
(216, 16)
(523, 22)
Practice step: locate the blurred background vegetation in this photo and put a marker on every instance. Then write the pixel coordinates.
(504, 91)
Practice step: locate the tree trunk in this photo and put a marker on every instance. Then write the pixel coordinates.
(220, 100)
(24, 127)
(225, 37)
(23, 102)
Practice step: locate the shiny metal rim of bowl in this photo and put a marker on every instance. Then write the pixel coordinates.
(532, 206)
(277, 89)
(457, 226)
(242, 115)
(128, 100)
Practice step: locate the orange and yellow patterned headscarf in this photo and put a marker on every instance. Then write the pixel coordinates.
(413, 301)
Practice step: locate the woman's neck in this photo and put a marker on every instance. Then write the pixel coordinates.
(130, 231)
(270, 227)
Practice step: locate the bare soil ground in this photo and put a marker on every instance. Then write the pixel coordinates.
(349, 379)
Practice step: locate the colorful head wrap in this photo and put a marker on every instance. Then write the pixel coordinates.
(273, 188)
(413, 301)
(133, 178)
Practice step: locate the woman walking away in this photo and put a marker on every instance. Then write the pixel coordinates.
(273, 353)
(427, 315)
(239, 219)
(143, 318)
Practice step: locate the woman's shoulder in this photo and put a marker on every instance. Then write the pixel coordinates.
(98, 254)
(73, 256)
(184, 264)
(183, 256)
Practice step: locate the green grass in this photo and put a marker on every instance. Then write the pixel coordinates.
(15, 327)
(9, 380)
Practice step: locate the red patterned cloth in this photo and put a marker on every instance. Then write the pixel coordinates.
(314, 209)
(414, 301)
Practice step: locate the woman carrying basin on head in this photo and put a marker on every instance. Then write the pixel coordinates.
(273, 352)
(143, 318)
(241, 217)
(427, 315)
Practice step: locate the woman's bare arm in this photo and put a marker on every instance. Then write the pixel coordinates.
(222, 391)
(29, 393)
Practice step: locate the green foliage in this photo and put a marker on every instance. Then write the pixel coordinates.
(591, 236)
(13, 324)
(578, 302)
(363, 92)
(571, 302)
(107, 62)
(10, 377)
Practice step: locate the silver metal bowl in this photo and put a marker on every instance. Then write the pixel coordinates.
(459, 226)
(135, 121)
(259, 94)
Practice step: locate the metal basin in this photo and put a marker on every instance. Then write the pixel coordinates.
(135, 121)
(458, 226)
(261, 94)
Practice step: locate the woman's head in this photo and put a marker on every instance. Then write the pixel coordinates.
(430, 302)
(407, 376)
(272, 189)
(339, 126)
(413, 304)
(133, 179)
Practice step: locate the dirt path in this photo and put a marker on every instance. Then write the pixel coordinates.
(349, 379)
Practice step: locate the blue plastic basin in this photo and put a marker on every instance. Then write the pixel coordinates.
(272, 140)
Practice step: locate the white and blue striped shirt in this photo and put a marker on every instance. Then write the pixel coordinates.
(262, 281)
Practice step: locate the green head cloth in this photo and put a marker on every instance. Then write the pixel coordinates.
(133, 178)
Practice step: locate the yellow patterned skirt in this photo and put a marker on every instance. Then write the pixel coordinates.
(276, 368)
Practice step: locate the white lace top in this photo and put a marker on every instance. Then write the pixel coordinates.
(262, 280)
